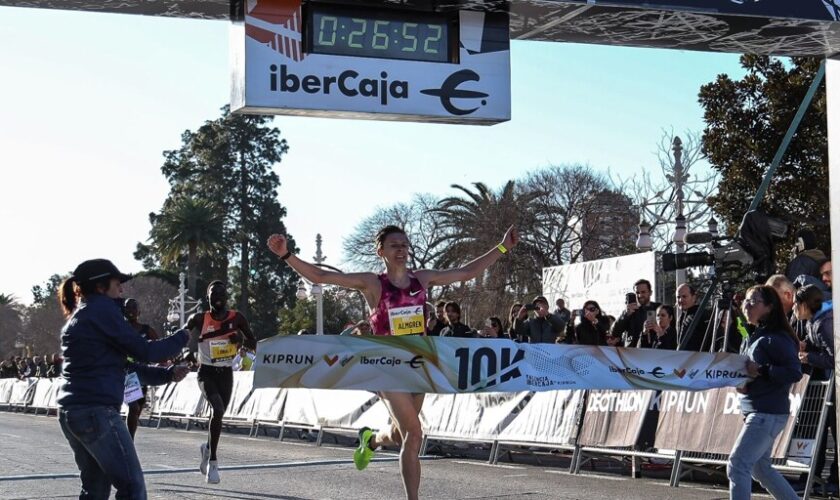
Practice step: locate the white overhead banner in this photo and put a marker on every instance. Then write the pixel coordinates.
(351, 61)
(605, 281)
(449, 365)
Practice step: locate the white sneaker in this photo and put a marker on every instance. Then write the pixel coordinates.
(213, 473)
(205, 457)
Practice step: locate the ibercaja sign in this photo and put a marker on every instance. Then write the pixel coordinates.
(348, 61)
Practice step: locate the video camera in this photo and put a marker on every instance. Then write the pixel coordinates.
(750, 250)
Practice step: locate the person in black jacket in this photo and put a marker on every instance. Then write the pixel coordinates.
(808, 258)
(95, 342)
(454, 327)
(774, 367)
(662, 334)
(687, 309)
(543, 328)
(817, 357)
(593, 327)
(630, 325)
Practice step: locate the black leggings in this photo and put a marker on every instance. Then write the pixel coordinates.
(216, 383)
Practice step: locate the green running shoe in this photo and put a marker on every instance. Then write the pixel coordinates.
(363, 454)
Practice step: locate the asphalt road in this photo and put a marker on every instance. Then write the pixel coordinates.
(36, 462)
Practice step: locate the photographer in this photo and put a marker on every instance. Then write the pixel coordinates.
(492, 329)
(593, 327)
(808, 258)
(543, 328)
(640, 309)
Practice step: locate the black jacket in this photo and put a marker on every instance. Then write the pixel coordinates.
(820, 342)
(684, 319)
(806, 262)
(588, 334)
(539, 330)
(629, 326)
(457, 330)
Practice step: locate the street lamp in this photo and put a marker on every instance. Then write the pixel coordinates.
(713, 227)
(181, 305)
(644, 242)
(301, 290)
(679, 241)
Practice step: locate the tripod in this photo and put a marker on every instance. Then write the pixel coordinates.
(715, 337)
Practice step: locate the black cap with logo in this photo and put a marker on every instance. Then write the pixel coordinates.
(94, 269)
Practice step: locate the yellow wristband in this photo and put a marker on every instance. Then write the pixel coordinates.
(502, 248)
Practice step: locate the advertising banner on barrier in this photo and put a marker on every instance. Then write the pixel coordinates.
(710, 421)
(447, 365)
(613, 418)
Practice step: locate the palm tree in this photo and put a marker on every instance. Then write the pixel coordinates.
(476, 221)
(11, 323)
(191, 225)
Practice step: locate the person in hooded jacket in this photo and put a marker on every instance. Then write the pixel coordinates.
(817, 357)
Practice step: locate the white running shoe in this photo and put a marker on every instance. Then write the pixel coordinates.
(205, 458)
(213, 472)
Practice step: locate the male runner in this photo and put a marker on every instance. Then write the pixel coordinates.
(216, 335)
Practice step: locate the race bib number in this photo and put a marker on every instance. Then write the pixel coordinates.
(133, 390)
(222, 350)
(408, 320)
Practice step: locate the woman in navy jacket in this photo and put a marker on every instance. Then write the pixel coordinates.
(95, 342)
(774, 367)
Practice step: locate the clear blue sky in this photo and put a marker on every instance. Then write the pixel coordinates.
(89, 102)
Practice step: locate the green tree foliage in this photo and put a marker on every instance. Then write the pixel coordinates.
(11, 324)
(230, 160)
(746, 120)
(43, 319)
(340, 309)
(188, 225)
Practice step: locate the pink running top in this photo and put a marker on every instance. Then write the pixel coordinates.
(401, 311)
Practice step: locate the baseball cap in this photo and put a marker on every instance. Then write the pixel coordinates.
(95, 269)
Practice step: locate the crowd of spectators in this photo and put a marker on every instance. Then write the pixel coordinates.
(21, 367)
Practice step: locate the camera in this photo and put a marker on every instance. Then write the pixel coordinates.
(530, 307)
(752, 248)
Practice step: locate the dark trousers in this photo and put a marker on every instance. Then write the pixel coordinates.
(104, 452)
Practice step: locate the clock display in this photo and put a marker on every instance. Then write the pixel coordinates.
(363, 34)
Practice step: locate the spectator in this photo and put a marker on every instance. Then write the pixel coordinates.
(437, 323)
(454, 327)
(663, 329)
(593, 326)
(55, 367)
(817, 356)
(808, 258)
(493, 329)
(773, 367)
(825, 273)
(8, 369)
(787, 291)
(561, 313)
(630, 324)
(613, 340)
(23, 369)
(40, 365)
(688, 308)
(244, 360)
(515, 312)
(543, 328)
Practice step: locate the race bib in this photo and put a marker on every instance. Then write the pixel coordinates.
(408, 320)
(222, 350)
(133, 390)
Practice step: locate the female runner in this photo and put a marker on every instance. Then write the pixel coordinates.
(393, 297)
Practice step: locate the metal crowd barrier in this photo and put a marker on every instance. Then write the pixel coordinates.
(551, 420)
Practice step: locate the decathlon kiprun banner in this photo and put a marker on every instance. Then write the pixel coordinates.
(447, 365)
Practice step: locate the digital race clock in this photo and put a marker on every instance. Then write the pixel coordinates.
(367, 33)
(338, 58)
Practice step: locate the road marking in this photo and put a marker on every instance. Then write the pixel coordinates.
(181, 470)
(485, 464)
